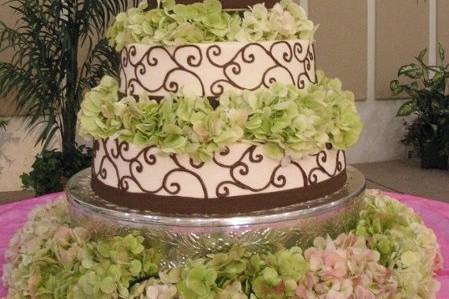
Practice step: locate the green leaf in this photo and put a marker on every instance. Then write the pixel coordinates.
(412, 71)
(396, 87)
(441, 52)
(421, 55)
(407, 108)
(438, 76)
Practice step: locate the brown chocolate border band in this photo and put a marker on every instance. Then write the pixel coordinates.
(222, 206)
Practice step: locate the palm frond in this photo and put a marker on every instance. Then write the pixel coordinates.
(102, 60)
(45, 72)
(8, 37)
(94, 16)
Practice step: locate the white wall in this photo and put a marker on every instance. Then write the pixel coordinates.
(380, 139)
(382, 132)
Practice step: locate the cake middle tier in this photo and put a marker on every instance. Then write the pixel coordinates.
(210, 69)
(239, 179)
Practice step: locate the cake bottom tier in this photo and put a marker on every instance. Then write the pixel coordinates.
(241, 178)
(180, 238)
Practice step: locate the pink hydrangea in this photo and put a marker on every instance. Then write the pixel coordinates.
(345, 269)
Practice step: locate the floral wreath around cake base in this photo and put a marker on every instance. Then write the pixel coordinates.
(390, 254)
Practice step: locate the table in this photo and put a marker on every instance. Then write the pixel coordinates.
(435, 214)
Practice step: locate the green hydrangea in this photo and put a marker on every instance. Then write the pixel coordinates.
(231, 265)
(232, 291)
(344, 127)
(282, 118)
(49, 258)
(206, 21)
(198, 282)
(286, 20)
(280, 278)
(99, 110)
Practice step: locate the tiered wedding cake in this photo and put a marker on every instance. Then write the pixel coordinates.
(217, 112)
(218, 161)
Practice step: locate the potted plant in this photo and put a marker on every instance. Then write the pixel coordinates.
(428, 105)
(58, 52)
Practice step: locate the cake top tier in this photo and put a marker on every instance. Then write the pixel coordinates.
(204, 50)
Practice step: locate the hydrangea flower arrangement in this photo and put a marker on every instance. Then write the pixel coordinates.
(284, 119)
(406, 246)
(50, 258)
(206, 22)
(345, 268)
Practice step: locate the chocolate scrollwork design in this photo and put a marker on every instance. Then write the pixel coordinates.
(145, 71)
(237, 169)
(242, 168)
(209, 70)
(321, 161)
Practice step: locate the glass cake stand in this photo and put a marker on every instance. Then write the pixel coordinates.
(180, 237)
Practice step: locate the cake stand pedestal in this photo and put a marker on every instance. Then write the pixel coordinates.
(180, 237)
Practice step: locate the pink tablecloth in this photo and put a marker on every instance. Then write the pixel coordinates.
(434, 213)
